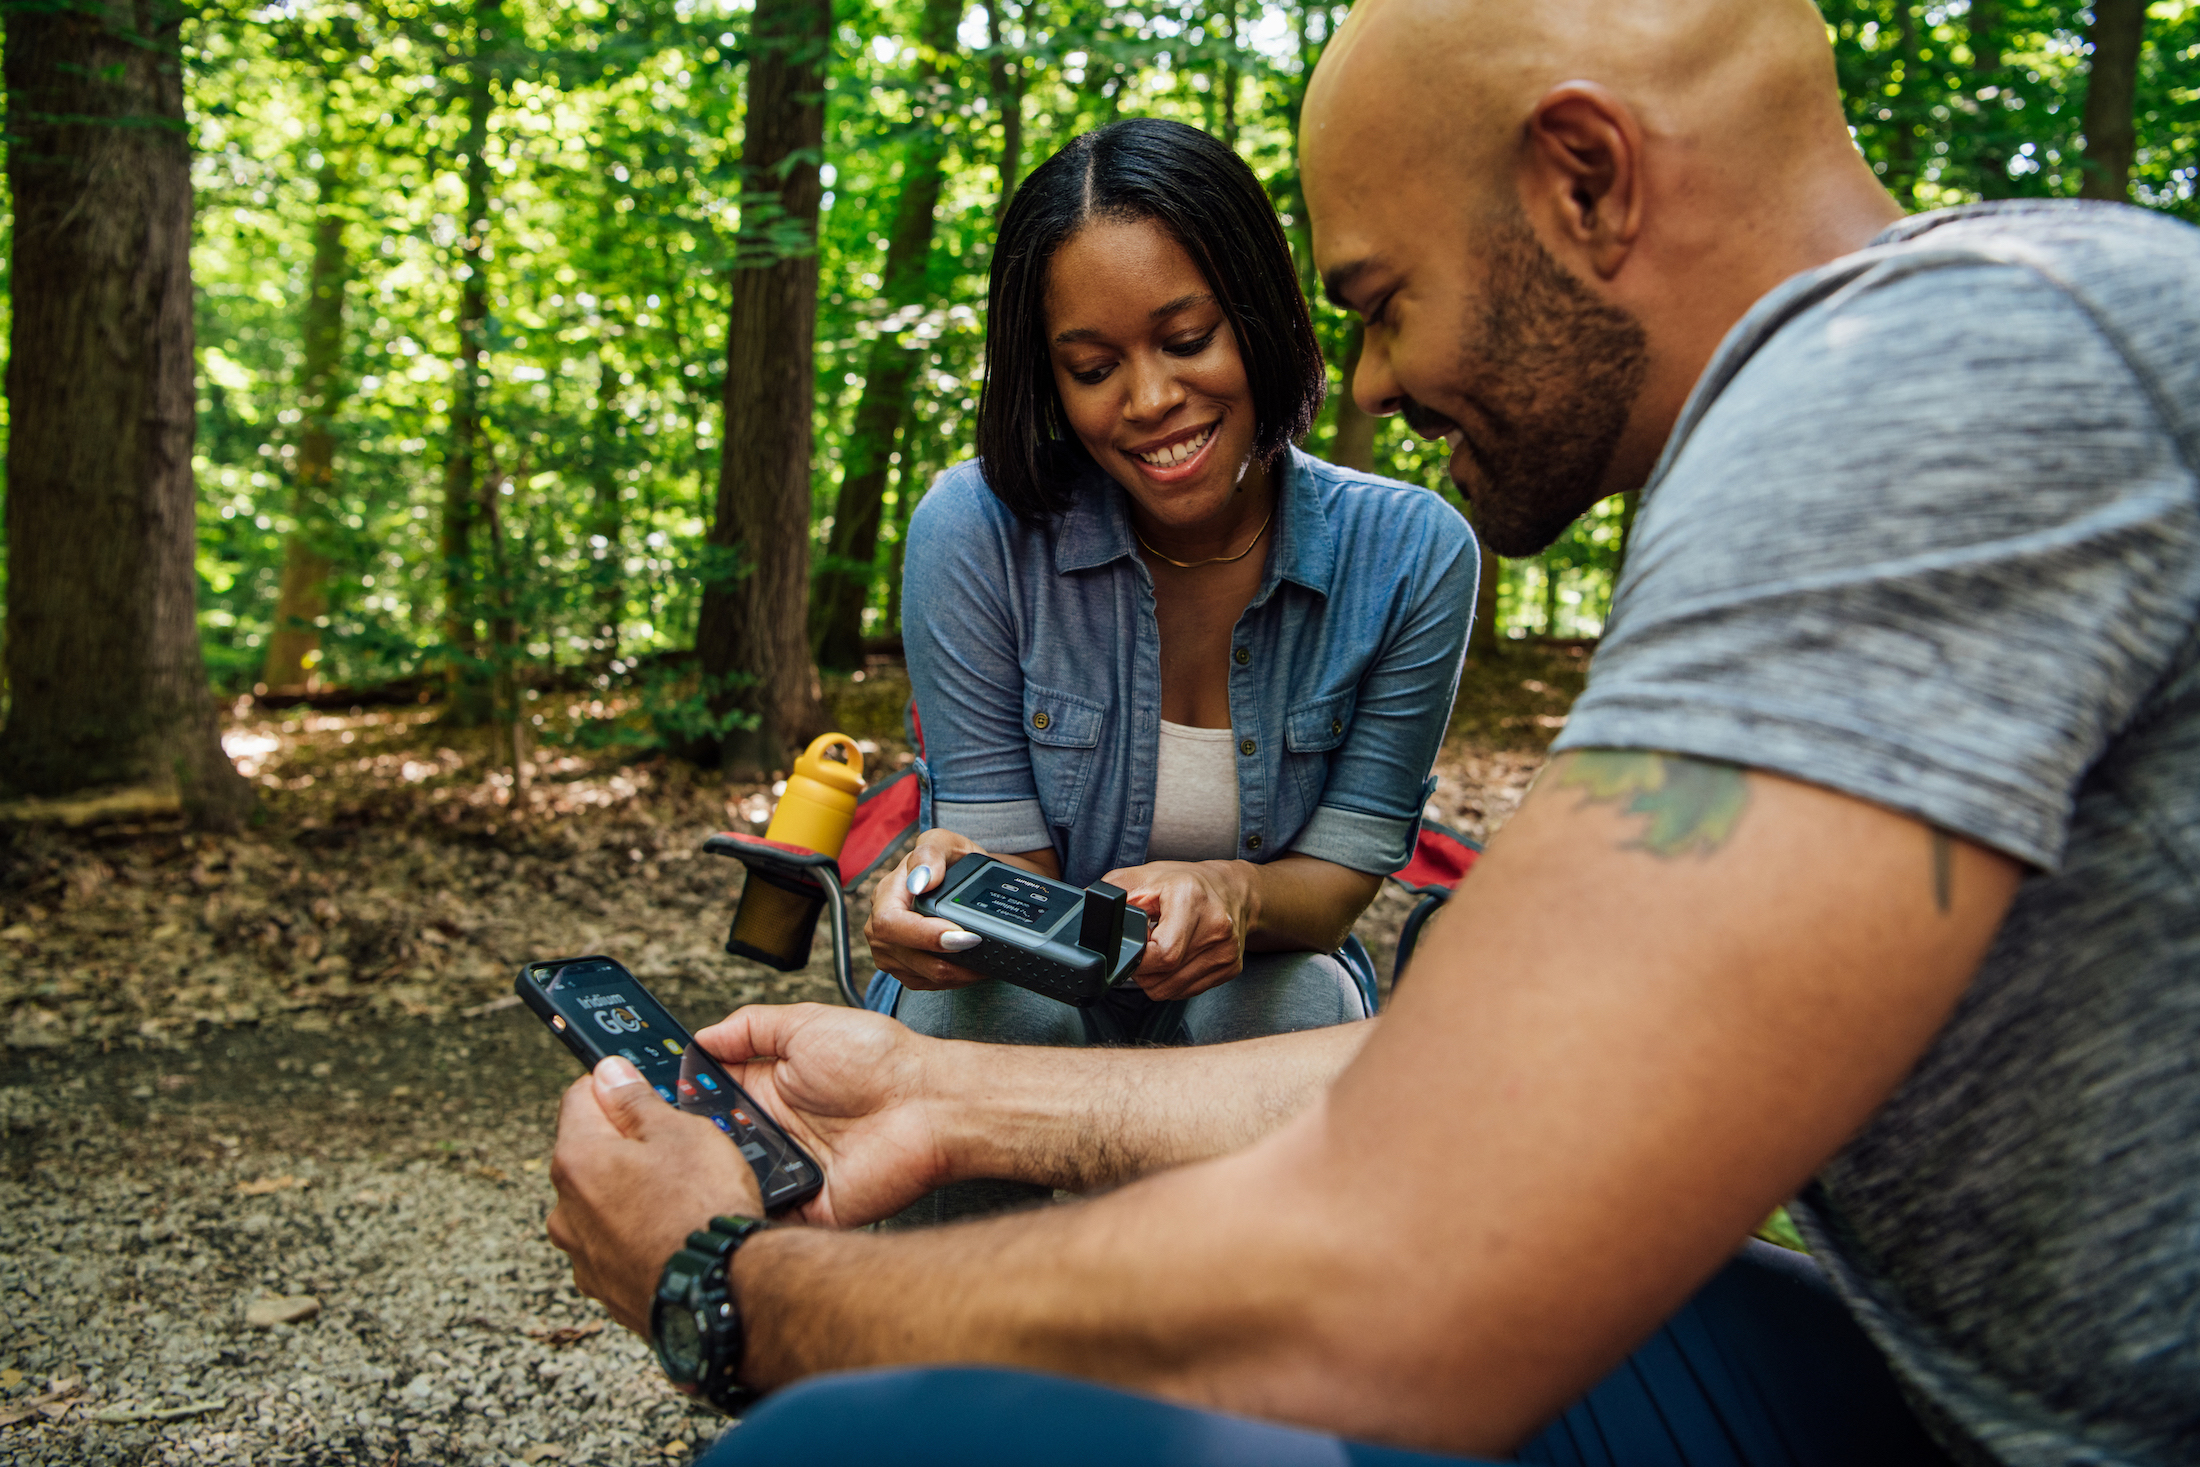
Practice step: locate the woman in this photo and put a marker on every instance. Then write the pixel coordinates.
(1150, 640)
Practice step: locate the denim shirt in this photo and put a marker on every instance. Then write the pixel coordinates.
(1036, 661)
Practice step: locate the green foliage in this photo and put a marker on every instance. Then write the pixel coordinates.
(617, 206)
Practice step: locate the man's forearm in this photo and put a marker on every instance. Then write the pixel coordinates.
(1086, 1120)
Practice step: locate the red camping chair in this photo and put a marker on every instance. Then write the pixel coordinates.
(886, 822)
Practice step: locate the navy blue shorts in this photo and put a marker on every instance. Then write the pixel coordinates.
(1762, 1368)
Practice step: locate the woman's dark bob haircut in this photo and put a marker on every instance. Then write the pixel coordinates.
(1208, 200)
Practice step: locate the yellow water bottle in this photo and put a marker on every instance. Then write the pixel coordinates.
(777, 914)
(820, 800)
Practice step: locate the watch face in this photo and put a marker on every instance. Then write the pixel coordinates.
(679, 1343)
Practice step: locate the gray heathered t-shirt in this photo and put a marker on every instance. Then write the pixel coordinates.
(1928, 533)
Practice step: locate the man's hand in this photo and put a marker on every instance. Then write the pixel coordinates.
(1202, 913)
(851, 1089)
(635, 1176)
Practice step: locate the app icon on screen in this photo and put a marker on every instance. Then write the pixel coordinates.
(721, 1122)
(666, 1092)
(687, 1088)
(674, 1046)
(706, 1082)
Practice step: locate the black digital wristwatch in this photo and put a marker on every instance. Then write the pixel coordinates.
(694, 1324)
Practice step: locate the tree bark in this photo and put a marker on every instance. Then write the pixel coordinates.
(469, 696)
(107, 684)
(1991, 154)
(293, 651)
(751, 638)
(1353, 447)
(1482, 640)
(606, 517)
(1006, 80)
(844, 581)
(2111, 88)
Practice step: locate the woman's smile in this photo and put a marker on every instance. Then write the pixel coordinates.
(1180, 455)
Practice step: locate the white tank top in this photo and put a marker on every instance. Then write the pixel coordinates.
(1195, 795)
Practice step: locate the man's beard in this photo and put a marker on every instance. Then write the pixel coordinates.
(1555, 372)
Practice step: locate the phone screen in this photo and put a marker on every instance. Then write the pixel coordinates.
(614, 1014)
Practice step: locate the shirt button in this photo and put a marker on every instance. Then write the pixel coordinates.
(1336, 725)
(1040, 720)
(1243, 655)
(1247, 748)
(1252, 842)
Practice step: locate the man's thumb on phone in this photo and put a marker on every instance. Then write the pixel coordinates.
(621, 1095)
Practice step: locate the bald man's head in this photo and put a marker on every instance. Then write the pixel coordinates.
(1549, 214)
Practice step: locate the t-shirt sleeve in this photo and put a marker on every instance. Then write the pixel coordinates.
(1932, 546)
(961, 642)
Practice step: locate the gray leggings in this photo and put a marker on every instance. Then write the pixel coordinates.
(1278, 993)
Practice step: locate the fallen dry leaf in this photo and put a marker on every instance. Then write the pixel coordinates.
(566, 1334)
(675, 1449)
(266, 1185)
(10, 1379)
(122, 1415)
(54, 1403)
(542, 1452)
(286, 1309)
(492, 1174)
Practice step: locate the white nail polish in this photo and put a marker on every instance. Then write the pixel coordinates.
(919, 879)
(960, 942)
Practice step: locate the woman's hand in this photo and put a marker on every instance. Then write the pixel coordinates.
(1202, 913)
(908, 944)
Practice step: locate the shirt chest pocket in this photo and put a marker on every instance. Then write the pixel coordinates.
(1063, 731)
(1311, 733)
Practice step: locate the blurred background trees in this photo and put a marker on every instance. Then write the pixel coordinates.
(469, 275)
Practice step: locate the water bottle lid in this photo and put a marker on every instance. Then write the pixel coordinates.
(844, 774)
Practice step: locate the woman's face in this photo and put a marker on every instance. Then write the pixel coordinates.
(1149, 372)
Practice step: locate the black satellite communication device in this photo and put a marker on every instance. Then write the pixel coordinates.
(1040, 934)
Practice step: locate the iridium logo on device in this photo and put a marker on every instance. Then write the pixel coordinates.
(618, 1021)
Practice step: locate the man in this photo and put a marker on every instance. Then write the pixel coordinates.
(1867, 868)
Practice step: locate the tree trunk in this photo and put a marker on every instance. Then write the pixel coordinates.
(844, 581)
(1902, 171)
(1483, 641)
(507, 714)
(107, 683)
(1353, 447)
(469, 694)
(2110, 89)
(294, 649)
(752, 637)
(1006, 79)
(606, 520)
(1991, 155)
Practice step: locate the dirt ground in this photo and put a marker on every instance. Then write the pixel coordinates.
(283, 1064)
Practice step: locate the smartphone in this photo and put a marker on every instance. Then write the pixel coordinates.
(599, 1010)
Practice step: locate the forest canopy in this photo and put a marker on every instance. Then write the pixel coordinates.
(474, 259)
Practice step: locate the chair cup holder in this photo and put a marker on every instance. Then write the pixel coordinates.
(776, 920)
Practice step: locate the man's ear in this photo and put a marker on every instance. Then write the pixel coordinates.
(1583, 171)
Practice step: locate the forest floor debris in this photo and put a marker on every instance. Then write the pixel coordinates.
(273, 1076)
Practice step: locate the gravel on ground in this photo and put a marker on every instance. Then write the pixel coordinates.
(276, 1076)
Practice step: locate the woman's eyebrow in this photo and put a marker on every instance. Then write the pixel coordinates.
(1158, 313)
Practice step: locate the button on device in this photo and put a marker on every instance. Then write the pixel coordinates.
(1252, 842)
(1040, 720)
(1243, 655)
(1246, 748)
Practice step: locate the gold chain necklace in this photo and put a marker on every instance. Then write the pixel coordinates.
(1213, 560)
